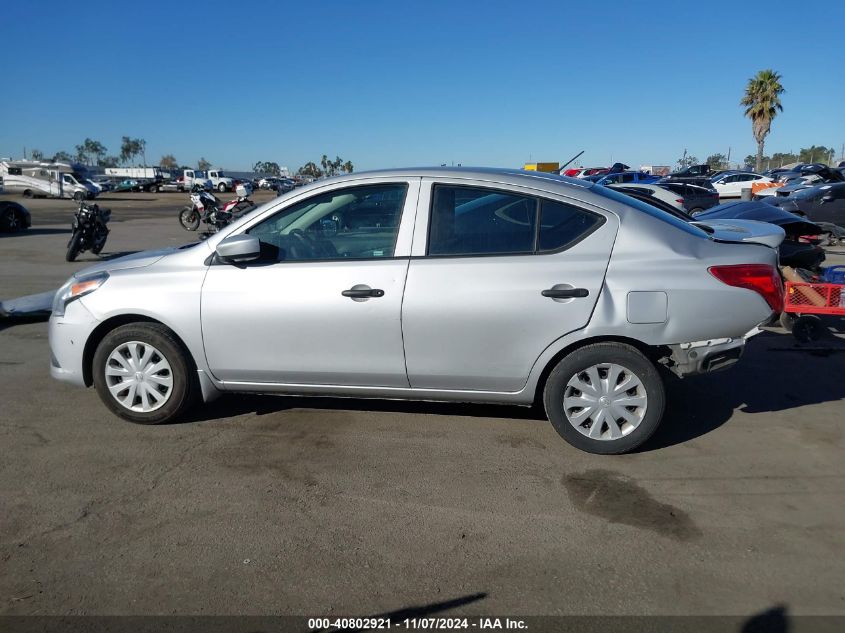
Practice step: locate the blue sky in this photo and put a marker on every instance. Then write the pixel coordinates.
(416, 83)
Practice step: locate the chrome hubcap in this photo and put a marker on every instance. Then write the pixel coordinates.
(138, 376)
(605, 401)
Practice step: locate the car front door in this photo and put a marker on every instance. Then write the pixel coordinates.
(322, 305)
(488, 289)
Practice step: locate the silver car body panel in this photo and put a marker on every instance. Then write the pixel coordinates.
(447, 328)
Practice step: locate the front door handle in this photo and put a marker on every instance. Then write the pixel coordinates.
(360, 291)
(565, 293)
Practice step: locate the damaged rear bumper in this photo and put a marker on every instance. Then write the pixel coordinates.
(702, 357)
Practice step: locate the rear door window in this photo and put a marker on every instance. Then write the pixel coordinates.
(475, 221)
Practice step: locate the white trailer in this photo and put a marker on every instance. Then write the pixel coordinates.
(35, 178)
(135, 173)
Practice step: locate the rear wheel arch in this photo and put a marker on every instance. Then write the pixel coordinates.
(110, 324)
(652, 352)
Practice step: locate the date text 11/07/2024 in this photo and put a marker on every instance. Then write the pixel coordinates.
(340, 624)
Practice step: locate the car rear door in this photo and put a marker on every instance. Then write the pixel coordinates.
(323, 304)
(489, 288)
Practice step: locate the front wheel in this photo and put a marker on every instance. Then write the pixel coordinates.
(74, 246)
(78, 196)
(221, 188)
(143, 374)
(189, 218)
(605, 398)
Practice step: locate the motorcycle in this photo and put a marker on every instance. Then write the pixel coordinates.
(205, 208)
(89, 230)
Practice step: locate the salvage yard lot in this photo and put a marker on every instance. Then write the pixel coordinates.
(328, 506)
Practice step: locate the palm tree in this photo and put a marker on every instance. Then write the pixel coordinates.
(762, 102)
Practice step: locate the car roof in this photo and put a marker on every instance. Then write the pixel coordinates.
(492, 174)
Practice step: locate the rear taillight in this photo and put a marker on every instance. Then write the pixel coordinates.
(761, 278)
(679, 200)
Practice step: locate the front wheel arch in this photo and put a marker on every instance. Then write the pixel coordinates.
(107, 326)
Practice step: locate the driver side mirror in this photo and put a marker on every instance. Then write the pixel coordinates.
(237, 249)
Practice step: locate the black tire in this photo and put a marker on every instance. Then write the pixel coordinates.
(10, 221)
(696, 211)
(633, 362)
(808, 328)
(189, 218)
(78, 196)
(221, 188)
(99, 244)
(184, 390)
(74, 246)
(787, 321)
(27, 193)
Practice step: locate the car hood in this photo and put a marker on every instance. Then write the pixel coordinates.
(769, 212)
(750, 231)
(135, 260)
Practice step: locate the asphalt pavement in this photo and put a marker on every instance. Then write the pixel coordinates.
(317, 506)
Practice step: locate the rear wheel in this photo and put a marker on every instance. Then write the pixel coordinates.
(808, 328)
(605, 398)
(10, 220)
(143, 374)
(78, 196)
(99, 241)
(27, 193)
(74, 246)
(189, 218)
(696, 211)
(221, 188)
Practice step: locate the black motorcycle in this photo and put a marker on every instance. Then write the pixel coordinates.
(89, 230)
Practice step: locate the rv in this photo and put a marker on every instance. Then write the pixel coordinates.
(39, 179)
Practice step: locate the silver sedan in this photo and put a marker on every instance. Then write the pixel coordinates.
(475, 285)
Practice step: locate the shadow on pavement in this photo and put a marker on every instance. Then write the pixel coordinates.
(37, 231)
(774, 374)
(774, 620)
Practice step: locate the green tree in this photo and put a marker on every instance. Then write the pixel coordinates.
(717, 161)
(62, 157)
(203, 164)
(348, 167)
(132, 147)
(813, 154)
(310, 169)
(108, 161)
(267, 167)
(762, 104)
(36, 154)
(324, 161)
(168, 162)
(686, 161)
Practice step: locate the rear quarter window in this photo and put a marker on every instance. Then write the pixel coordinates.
(654, 212)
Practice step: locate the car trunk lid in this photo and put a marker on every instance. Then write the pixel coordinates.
(739, 231)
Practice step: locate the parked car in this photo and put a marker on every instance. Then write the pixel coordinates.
(691, 171)
(693, 198)
(508, 288)
(730, 185)
(14, 217)
(101, 183)
(821, 203)
(652, 191)
(127, 185)
(634, 177)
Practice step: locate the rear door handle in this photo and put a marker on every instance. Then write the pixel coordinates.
(362, 292)
(565, 293)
